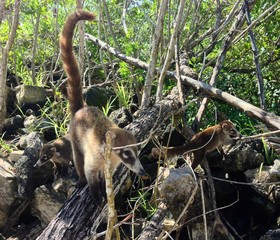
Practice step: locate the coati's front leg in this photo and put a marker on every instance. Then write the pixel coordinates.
(96, 182)
(94, 173)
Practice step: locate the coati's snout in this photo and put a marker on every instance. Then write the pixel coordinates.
(46, 153)
(229, 129)
(130, 159)
(234, 134)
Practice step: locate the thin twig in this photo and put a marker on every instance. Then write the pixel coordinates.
(261, 135)
(112, 215)
(203, 209)
(154, 54)
(170, 52)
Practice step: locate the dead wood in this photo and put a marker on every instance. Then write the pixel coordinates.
(80, 217)
(251, 110)
(155, 226)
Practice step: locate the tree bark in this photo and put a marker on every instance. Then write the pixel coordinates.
(4, 62)
(154, 226)
(80, 217)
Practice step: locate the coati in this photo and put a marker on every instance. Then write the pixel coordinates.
(203, 142)
(59, 153)
(89, 125)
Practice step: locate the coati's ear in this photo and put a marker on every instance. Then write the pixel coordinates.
(53, 149)
(110, 135)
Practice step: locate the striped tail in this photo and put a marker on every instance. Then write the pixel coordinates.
(70, 64)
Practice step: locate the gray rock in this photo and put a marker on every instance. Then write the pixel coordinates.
(263, 176)
(122, 117)
(271, 235)
(30, 140)
(15, 155)
(13, 124)
(24, 166)
(27, 94)
(176, 186)
(31, 122)
(8, 189)
(46, 204)
(244, 156)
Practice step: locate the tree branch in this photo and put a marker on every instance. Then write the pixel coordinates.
(251, 110)
(155, 47)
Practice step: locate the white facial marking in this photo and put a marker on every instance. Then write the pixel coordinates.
(126, 153)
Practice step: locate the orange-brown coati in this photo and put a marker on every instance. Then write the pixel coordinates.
(206, 141)
(89, 125)
(59, 153)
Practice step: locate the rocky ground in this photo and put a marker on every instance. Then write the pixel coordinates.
(247, 188)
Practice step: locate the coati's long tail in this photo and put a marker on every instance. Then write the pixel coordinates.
(70, 64)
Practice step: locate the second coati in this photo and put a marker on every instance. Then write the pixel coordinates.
(89, 125)
(59, 153)
(203, 142)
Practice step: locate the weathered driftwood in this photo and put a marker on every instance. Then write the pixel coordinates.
(80, 216)
(251, 110)
(155, 226)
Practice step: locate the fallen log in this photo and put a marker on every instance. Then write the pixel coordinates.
(252, 111)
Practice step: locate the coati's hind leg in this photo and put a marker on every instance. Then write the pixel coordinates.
(198, 158)
(78, 159)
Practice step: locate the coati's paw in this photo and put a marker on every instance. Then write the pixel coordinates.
(81, 182)
(155, 153)
(98, 194)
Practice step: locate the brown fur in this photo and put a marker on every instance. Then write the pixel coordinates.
(88, 124)
(206, 141)
(59, 153)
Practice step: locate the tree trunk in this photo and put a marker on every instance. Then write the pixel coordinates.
(3, 65)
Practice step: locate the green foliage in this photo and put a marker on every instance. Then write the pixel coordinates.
(123, 95)
(134, 36)
(55, 116)
(269, 154)
(5, 147)
(109, 105)
(141, 201)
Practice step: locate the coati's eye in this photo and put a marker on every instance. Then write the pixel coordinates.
(126, 153)
(232, 132)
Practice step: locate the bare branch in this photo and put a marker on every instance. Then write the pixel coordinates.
(236, 25)
(251, 110)
(170, 52)
(256, 57)
(154, 54)
(273, 8)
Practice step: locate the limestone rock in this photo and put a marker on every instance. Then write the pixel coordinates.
(176, 186)
(27, 94)
(31, 122)
(28, 140)
(244, 156)
(266, 175)
(24, 166)
(8, 189)
(15, 155)
(46, 203)
(122, 117)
